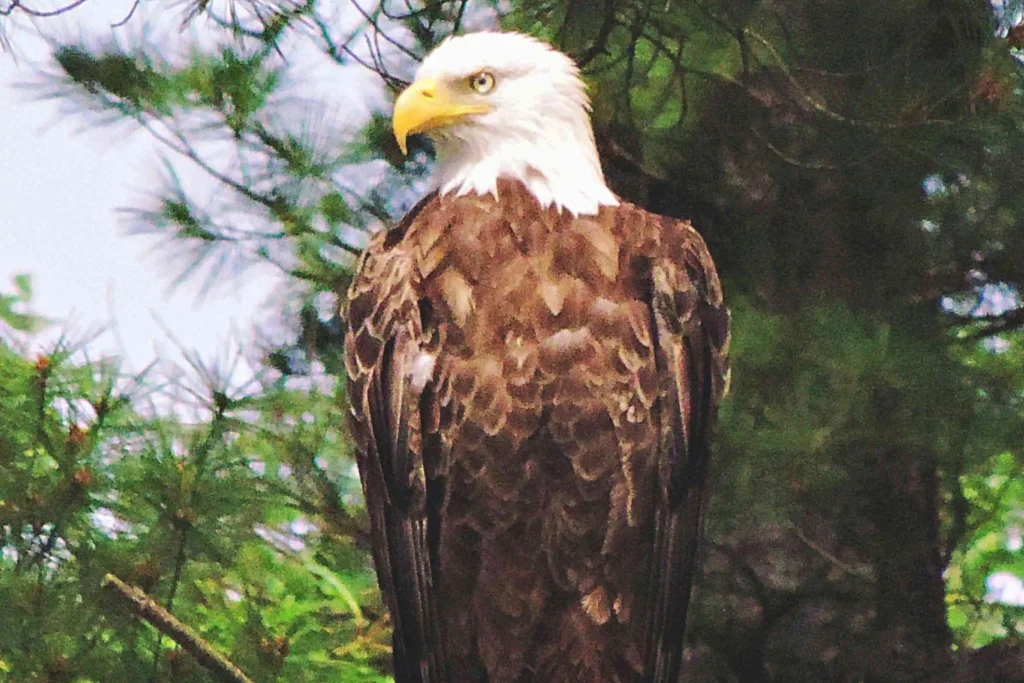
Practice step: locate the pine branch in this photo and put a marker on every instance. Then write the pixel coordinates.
(148, 610)
(1010, 321)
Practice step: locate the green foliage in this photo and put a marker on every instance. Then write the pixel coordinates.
(231, 518)
(996, 497)
(855, 170)
(125, 79)
(834, 368)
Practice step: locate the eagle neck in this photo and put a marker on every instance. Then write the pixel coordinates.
(558, 166)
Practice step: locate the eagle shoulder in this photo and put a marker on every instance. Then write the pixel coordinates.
(688, 292)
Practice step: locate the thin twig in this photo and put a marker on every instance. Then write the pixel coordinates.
(336, 52)
(853, 571)
(813, 165)
(373, 21)
(816, 104)
(128, 17)
(16, 4)
(600, 43)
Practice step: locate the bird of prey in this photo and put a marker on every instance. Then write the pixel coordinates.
(534, 367)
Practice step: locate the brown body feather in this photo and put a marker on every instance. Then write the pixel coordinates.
(532, 395)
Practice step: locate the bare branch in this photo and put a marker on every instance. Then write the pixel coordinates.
(17, 5)
(127, 17)
(853, 571)
(373, 21)
(601, 41)
(338, 52)
(816, 104)
(148, 610)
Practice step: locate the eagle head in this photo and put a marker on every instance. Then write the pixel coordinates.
(506, 105)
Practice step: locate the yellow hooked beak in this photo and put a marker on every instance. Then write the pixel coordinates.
(427, 105)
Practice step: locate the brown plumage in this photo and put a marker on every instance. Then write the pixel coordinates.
(531, 400)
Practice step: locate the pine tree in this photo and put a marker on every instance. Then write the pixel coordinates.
(854, 167)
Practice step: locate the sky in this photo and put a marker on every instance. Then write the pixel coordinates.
(63, 180)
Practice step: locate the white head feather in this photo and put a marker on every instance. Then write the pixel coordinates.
(538, 130)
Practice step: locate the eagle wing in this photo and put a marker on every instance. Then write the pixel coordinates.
(691, 330)
(400, 457)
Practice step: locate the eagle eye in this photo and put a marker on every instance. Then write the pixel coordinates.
(482, 82)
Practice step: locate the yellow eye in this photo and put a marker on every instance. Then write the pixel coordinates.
(482, 82)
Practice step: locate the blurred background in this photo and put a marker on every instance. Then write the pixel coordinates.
(185, 186)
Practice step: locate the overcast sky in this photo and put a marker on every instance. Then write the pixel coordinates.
(61, 184)
(62, 181)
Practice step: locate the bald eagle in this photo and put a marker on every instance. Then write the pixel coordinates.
(534, 367)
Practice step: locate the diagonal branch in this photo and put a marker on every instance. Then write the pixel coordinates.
(149, 611)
